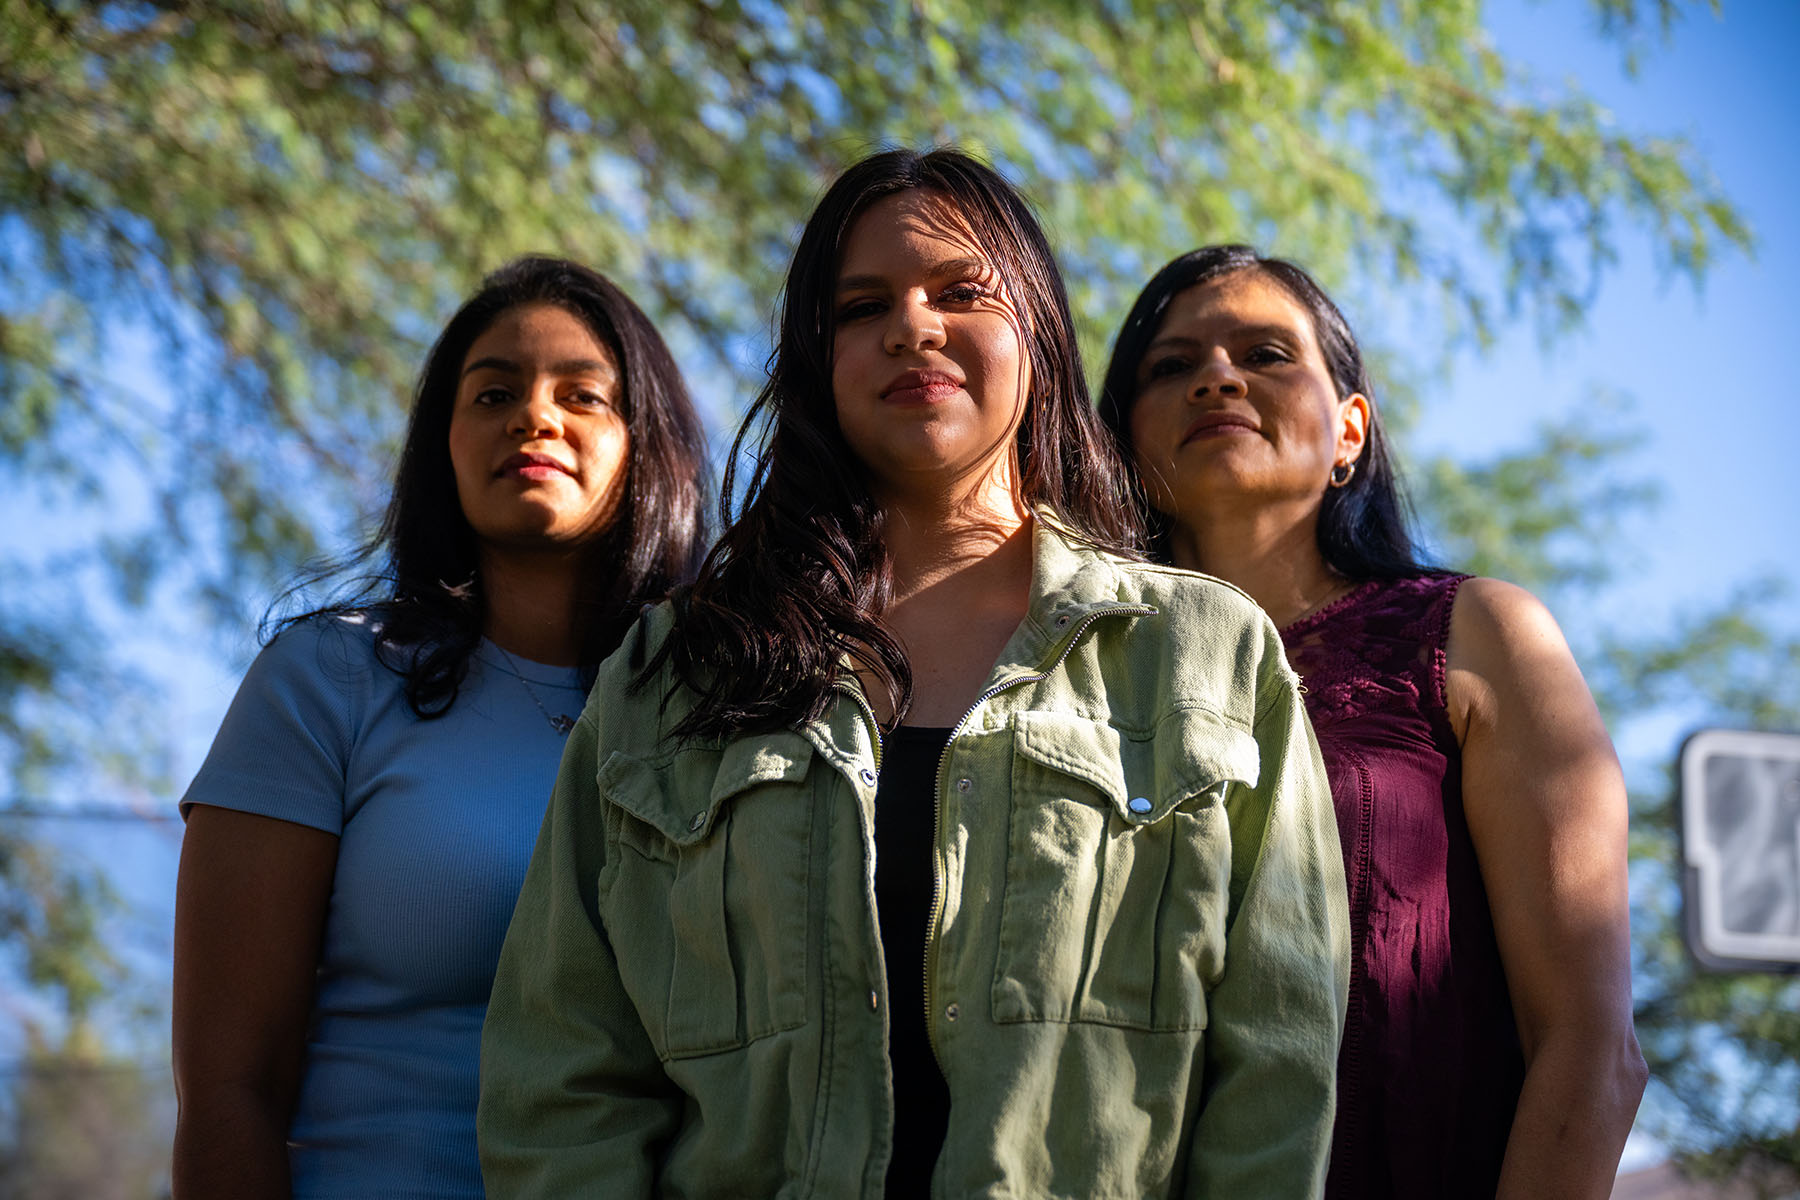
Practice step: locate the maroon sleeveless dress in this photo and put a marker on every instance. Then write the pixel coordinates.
(1430, 1069)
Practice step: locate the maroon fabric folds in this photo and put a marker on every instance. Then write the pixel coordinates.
(1430, 1069)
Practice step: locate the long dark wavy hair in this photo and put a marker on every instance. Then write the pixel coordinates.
(424, 594)
(1363, 528)
(801, 576)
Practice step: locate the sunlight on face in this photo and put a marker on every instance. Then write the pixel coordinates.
(929, 373)
(1235, 404)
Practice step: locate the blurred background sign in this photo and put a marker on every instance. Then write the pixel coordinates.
(1740, 829)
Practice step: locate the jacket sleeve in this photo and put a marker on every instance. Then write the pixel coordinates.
(1276, 1015)
(573, 1098)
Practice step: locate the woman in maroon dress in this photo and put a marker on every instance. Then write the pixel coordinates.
(1489, 1047)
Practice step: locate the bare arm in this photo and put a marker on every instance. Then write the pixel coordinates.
(250, 904)
(1546, 808)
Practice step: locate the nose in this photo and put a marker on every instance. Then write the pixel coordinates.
(913, 324)
(1217, 376)
(537, 415)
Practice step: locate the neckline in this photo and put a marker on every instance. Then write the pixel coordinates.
(548, 674)
(1319, 614)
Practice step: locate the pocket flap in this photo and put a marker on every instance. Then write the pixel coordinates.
(1144, 778)
(668, 794)
(767, 758)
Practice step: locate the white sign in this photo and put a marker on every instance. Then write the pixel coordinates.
(1740, 833)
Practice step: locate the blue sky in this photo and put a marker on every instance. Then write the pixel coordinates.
(1702, 368)
(1709, 372)
(1706, 370)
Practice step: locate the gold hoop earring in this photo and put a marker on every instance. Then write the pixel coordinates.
(1341, 474)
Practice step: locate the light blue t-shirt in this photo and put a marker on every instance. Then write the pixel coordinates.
(436, 821)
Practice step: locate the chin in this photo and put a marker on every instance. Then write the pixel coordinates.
(1198, 493)
(538, 537)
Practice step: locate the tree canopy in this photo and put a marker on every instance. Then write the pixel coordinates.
(229, 228)
(291, 195)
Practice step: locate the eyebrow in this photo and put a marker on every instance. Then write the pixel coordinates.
(950, 266)
(1247, 332)
(570, 366)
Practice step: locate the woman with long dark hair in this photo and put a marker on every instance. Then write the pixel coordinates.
(1489, 1045)
(356, 837)
(931, 842)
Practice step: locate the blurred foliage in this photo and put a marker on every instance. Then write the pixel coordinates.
(292, 194)
(269, 206)
(1549, 516)
(52, 915)
(1723, 1047)
(82, 1123)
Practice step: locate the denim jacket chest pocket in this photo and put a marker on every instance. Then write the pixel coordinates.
(705, 889)
(1118, 870)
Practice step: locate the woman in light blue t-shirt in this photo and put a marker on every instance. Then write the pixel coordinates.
(357, 835)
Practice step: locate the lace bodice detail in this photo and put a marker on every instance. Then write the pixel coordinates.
(1430, 1068)
(1381, 646)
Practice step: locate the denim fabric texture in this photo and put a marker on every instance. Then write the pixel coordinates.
(1135, 979)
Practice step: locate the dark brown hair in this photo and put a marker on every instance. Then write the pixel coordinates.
(1363, 531)
(800, 577)
(428, 605)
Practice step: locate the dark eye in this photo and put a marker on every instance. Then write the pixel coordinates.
(857, 310)
(590, 398)
(1266, 354)
(1166, 367)
(488, 397)
(966, 292)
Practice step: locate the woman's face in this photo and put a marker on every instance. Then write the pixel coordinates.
(929, 373)
(537, 439)
(1235, 404)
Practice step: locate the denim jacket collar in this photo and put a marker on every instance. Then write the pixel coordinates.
(1071, 585)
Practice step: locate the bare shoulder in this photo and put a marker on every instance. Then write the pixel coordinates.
(1494, 623)
(1503, 646)
(1492, 615)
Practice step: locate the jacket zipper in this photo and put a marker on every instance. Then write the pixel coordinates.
(937, 803)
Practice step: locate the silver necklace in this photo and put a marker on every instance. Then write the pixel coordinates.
(561, 722)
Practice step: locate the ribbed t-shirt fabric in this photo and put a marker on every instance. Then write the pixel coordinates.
(436, 820)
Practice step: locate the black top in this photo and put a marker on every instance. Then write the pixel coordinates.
(905, 827)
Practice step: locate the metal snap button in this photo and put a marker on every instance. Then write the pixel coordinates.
(1139, 805)
(965, 785)
(1062, 621)
(951, 1013)
(874, 1002)
(695, 824)
(867, 776)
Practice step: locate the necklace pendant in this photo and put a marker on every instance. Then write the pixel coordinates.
(561, 722)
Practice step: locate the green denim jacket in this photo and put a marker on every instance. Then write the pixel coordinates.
(1136, 972)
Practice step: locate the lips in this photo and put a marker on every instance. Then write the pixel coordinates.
(526, 465)
(921, 387)
(1219, 423)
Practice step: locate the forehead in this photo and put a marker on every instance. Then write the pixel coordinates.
(1242, 299)
(907, 231)
(540, 334)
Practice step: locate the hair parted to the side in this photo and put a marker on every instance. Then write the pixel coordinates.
(800, 577)
(1363, 531)
(424, 594)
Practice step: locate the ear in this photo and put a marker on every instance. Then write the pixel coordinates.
(1354, 416)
